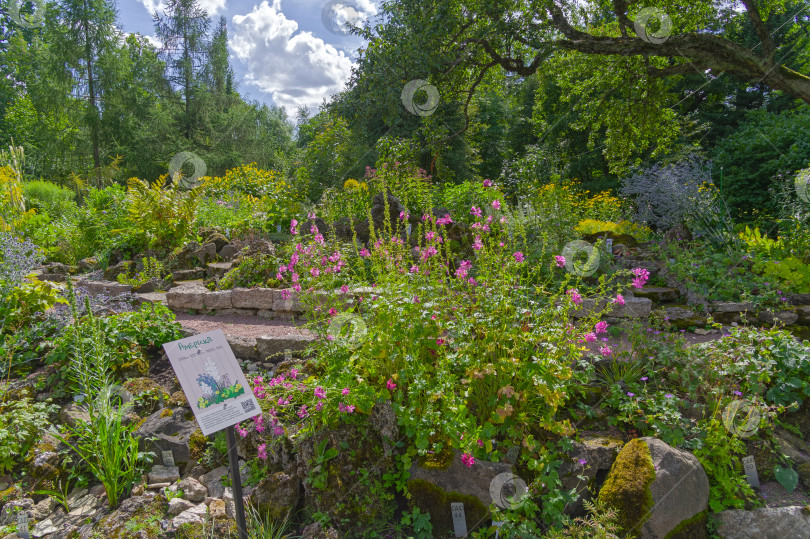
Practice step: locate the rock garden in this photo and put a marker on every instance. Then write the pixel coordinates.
(596, 378)
(490, 269)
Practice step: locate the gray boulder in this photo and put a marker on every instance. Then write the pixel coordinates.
(764, 523)
(168, 430)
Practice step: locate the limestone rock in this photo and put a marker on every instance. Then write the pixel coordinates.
(219, 240)
(195, 514)
(277, 494)
(164, 474)
(187, 297)
(228, 252)
(434, 487)
(220, 299)
(243, 347)
(122, 268)
(192, 489)
(178, 505)
(591, 457)
(764, 523)
(273, 347)
(253, 298)
(171, 431)
(656, 489)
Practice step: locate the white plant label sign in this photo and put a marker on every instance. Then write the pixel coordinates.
(168, 457)
(22, 525)
(459, 520)
(750, 468)
(213, 382)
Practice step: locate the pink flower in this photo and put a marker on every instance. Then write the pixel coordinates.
(573, 293)
(345, 391)
(590, 337)
(285, 294)
(261, 451)
(560, 261)
(293, 229)
(320, 392)
(302, 412)
(480, 443)
(390, 385)
(440, 342)
(364, 252)
(468, 460)
(414, 269)
(605, 351)
(346, 408)
(496, 204)
(344, 289)
(446, 220)
(477, 245)
(294, 373)
(600, 327)
(642, 276)
(319, 406)
(278, 430)
(241, 431)
(487, 183)
(314, 272)
(476, 211)
(519, 257)
(402, 216)
(619, 299)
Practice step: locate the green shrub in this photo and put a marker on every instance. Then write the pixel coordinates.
(21, 422)
(48, 197)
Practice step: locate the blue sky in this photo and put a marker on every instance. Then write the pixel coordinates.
(282, 51)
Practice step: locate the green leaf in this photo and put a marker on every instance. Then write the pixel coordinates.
(787, 477)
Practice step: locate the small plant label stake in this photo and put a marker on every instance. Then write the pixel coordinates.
(609, 245)
(497, 524)
(750, 468)
(459, 520)
(218, 393)
(22, 525)
(512, 454)
(168, 457)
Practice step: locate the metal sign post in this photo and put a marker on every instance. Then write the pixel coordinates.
(236, 481)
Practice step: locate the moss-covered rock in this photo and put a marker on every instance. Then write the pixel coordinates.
(627, 487)
(342, 473)
(659, 491)
(443, 478)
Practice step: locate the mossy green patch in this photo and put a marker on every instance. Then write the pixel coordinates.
(691, 528)
(627, 487)
(197, 444)
(434, 500)
(166, 412)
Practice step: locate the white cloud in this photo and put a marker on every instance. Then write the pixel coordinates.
(295, 68)
(211, 6)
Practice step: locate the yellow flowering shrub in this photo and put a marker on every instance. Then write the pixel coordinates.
(12, 204)
(593, 226)
(265, 191)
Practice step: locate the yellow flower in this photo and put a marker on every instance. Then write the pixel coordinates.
(351, 184)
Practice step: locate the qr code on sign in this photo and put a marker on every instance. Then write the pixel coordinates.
(248, 405)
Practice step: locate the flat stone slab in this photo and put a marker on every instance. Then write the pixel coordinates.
(658, 293)
(109, 288)
(151, 297)
(730, 307)
(187, 297)
(632, 308)
(273, 347)
(764, 523)
(253, 298)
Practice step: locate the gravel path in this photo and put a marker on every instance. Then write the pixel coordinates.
(242, 326)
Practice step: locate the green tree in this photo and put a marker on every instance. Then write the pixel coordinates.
(182, 28)
(87, 33)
